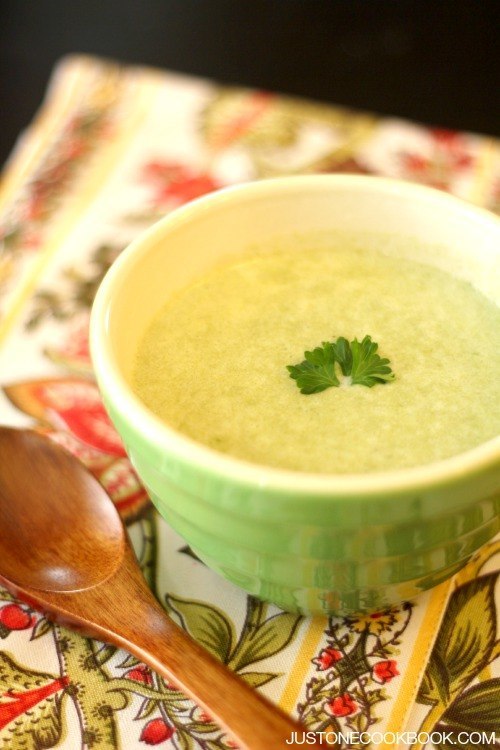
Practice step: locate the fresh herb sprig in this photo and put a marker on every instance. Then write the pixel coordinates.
(358, 361)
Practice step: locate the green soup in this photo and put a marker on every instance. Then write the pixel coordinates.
(213, 363)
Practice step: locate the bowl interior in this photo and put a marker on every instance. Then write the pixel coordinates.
(389, 217)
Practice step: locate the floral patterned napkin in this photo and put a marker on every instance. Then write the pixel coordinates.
(111, 150)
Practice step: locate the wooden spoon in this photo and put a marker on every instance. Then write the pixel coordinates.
(63, 549)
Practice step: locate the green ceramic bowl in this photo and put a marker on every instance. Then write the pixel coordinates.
(312, 543)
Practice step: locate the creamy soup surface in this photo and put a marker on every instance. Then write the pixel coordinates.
(212, 364)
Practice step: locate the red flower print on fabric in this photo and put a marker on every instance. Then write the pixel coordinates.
(75, 405)
(448, 154)
(156, 731)
(384, 671)
(14, 617)
(342, 705)
(140, 674)
(18, 703)
(174, 184)
(327, 658)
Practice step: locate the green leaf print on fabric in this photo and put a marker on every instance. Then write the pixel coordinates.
(267, 639)
(260, 637)
(465, 648)
(464, 642)
(257, 679)
(478, 708)
(206, 624)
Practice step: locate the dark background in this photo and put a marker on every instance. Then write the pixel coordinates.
(435, 62)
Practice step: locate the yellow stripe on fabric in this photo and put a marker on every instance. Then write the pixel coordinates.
(61, 98)
(302, 663)
(93, 184)
(484, 176)
(485, 674)
(418, 659)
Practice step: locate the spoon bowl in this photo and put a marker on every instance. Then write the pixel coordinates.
(80, 569)
(54, 525)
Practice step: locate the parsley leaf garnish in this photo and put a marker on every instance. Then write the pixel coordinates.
(343, 355)
(358, 361)
(368, 367)
(317, 372)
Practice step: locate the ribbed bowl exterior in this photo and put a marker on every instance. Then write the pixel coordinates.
(326, 544)
(319, 559)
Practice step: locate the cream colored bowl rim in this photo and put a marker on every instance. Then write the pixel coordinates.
(187, 450)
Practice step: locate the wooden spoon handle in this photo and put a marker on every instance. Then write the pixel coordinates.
(252, 720)
(127, 614)
(248, 717)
